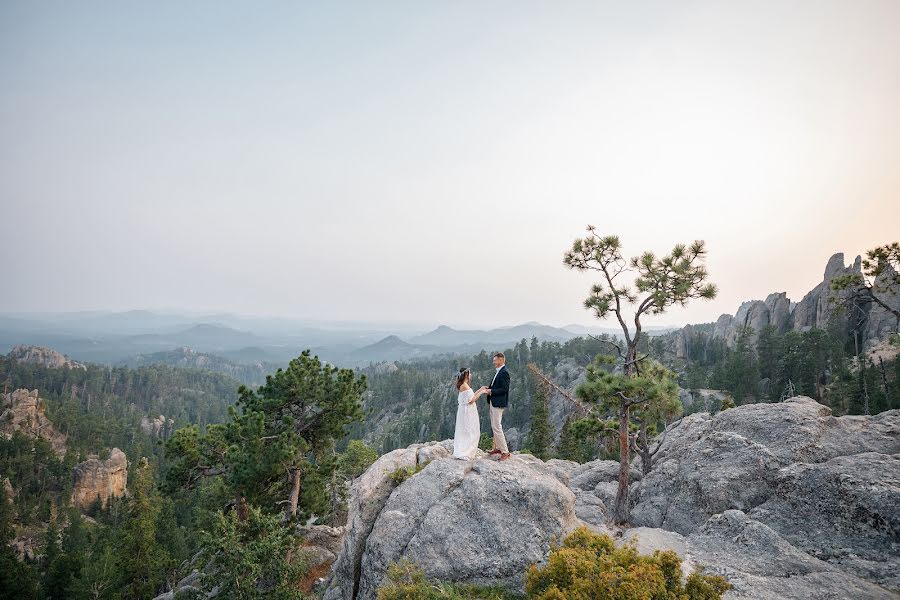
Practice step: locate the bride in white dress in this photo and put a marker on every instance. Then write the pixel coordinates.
(468, 428)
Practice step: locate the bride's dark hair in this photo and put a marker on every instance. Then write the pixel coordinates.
(462, 376)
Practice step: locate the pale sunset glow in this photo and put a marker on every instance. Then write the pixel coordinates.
(344, 161)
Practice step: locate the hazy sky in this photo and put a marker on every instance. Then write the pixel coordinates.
(432, 161)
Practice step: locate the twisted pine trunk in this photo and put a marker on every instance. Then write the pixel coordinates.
(294, 498)
(621, 510)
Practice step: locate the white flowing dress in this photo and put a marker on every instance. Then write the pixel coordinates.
(468, 428)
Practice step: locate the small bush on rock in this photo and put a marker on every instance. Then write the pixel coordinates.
(406, 581)
(401, 474)
(591, 566)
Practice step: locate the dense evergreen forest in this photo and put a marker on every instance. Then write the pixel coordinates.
(235, 464)
(768, 366)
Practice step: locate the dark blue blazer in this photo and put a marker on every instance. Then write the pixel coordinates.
(499, 397)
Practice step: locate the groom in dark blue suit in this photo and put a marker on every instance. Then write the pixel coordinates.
(498, 395)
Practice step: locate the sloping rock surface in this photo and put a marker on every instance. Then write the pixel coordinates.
(785, 500)
(479, 521)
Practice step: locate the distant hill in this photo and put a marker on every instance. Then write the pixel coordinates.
(392, 348)
(184, 357)
(489, 339)
(117, 337)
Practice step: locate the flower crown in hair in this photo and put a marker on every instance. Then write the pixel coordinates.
(462, 372)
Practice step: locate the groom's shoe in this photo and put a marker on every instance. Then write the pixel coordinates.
(504, 456)
(495, 451)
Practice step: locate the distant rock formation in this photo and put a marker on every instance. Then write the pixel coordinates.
(46, 357)
(103, 479)
(8, 492)
(24, 411)
(814, 311)
(156, 426)
(784, 500)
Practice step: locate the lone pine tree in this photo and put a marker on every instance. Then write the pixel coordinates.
(659, 283)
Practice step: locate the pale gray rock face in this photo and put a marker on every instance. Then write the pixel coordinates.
(514, 439)
(45, 357)
(683, 341)
(480, 521)
(784, 500)
(845, 511)
(880, 321)
(756, 560)
(753, 315)
(828, 487)
(588, 475)
(562, 469)
(723, 324)
(779, 306)
(368, 494)
(815, 310)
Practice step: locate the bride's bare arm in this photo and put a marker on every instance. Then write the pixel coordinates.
(477, 394)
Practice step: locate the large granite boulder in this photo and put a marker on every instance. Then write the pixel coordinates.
(23, 411)
(45, 357)
(480, 521)
(827, 486)
(758, 562)
(368, 495)
(96, 478)
(784, 500)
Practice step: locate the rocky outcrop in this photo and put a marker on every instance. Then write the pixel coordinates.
(815, 310)
(8, 492)
(26, 547)
(24, 411)
(45, 357)
(156, 426)
(880, 322)
(758, 562)
(828, 487)
(480, 521)
(103, 479)
(784, 500)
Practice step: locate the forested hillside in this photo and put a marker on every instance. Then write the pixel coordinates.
(224, 478)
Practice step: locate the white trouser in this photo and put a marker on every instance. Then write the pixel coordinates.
(497, 429)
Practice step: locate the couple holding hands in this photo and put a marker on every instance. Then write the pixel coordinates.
(468, 427)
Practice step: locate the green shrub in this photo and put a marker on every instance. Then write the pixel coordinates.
(406, 581)
(401, 474)
(592, 566)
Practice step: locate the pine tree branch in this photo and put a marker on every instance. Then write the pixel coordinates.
(585, 408)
